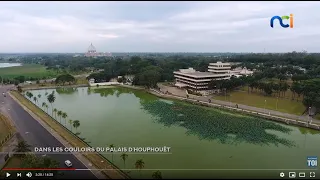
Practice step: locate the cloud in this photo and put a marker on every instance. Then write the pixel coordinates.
(108, 36)
(155, 26)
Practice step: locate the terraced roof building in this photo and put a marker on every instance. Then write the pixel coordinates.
(219, 68)
(192, 79)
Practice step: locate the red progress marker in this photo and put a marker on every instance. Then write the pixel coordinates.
(38, 169)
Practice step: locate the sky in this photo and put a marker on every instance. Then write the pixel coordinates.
(157, 26)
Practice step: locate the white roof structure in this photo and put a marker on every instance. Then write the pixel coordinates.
(245, 71)
(196, 74)
(91, 49)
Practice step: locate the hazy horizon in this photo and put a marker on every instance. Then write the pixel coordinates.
(157, 27)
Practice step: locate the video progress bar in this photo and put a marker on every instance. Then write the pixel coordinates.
(75, 169)
(199, 169)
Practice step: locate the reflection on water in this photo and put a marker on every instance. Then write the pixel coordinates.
(212, 125)
(104, 92)
(66, 90)
(308, 131)
(132, 118)
(209, 124)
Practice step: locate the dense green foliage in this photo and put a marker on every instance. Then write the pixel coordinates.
(211, 124)
(65, 78)
(148, 69)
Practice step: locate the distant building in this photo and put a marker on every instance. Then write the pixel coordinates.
(199, 81)
(240, 72)
(190, 78)
(91, 81)
(246, 72)
(219, 68)
(92, 52)
(304, 70)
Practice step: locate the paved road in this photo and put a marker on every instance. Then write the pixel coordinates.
(37, 136)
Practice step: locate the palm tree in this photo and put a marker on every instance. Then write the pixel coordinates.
(111, 146)
(44, 104)
(19, 89)
(70, 122)
(47, 107)
(64, 116)
(60, 114)
(156, 175)
(124, 156)
(76, 124)
(139, 165)
(30, 95)
(55, 113)
(22, 147)
(35, 99)
(51, 98)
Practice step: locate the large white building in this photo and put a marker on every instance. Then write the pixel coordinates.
(240, 72)
(196, 80)
(192, 79)
(92, 52)
(219, 68)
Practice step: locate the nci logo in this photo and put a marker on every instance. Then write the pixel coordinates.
(312, 161)
(290, 18)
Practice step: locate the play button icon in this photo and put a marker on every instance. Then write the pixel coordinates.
(8, 174)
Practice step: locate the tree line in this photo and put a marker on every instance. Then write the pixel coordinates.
(149, 70)
(309, 89)
(55, 113)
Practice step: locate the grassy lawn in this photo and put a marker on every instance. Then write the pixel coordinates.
(79, 81)
(4, 130)
(14, 162)
(168, 83)
(288, 94)
(96, 159)
(252, 99)
(28, 70)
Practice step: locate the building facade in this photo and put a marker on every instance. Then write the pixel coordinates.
(192, 79)
(92, 52)
(219, 68)
(199, 81)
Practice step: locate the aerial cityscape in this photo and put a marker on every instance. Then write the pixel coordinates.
(161, 90)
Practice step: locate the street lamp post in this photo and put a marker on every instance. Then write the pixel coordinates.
(265, 102)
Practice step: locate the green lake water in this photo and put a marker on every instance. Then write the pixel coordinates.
(199, 137)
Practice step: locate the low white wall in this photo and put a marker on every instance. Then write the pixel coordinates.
(105, 84)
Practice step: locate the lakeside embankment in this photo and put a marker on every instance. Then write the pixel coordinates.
(229, 108)
(53, 87)
(285, 120)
